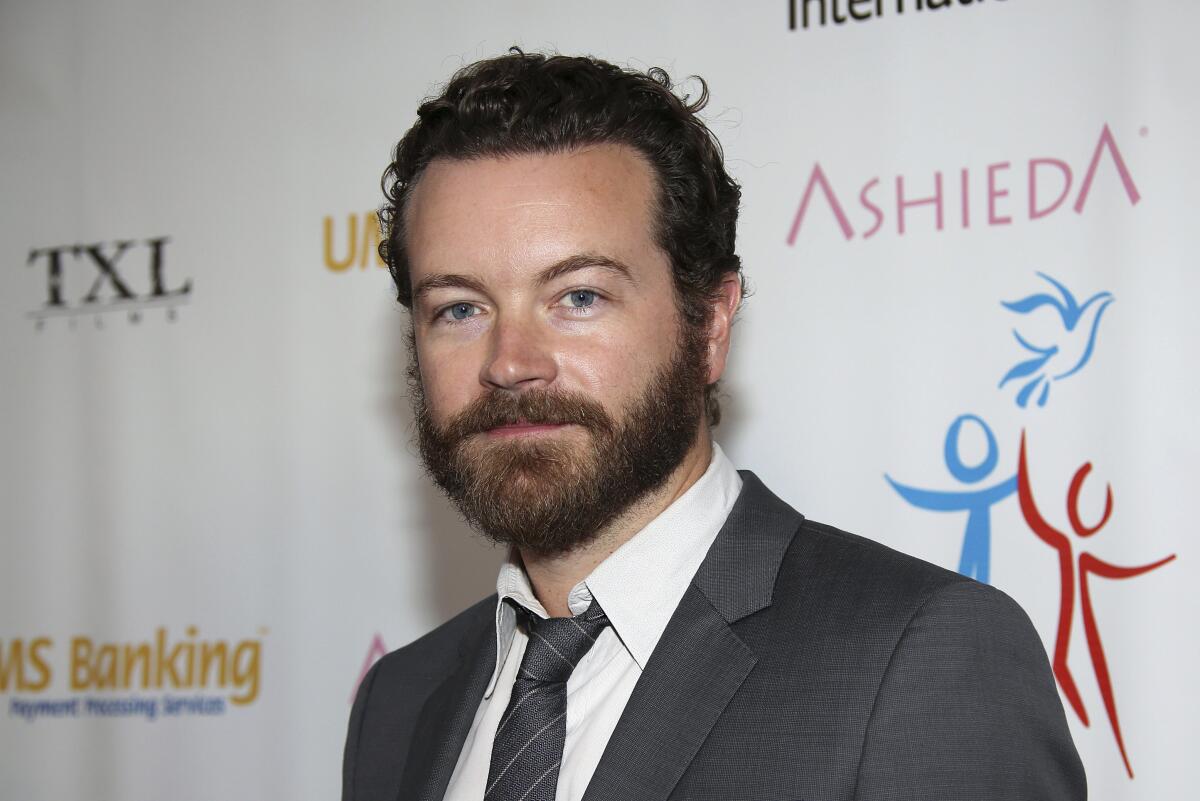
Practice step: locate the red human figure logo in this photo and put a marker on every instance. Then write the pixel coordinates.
(1088, 564)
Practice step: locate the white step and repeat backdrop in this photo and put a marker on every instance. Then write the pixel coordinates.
(966, 224)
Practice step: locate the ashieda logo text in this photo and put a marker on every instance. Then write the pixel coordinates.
(979, 197)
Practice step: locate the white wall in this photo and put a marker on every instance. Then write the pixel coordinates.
(244, 468)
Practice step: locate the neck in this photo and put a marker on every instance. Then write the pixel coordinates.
(553, 577)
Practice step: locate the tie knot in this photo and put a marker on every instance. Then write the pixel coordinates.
(557, 644)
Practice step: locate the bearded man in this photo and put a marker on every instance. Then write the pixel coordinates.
(562, 232)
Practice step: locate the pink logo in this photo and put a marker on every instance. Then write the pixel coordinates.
(1049, 183)
(376, 650)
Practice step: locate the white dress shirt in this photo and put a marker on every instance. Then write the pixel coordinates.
(639, 586)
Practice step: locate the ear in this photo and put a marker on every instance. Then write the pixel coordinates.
(724, 306)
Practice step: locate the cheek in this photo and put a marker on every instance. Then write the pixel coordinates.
(617, 367)
(448, 384)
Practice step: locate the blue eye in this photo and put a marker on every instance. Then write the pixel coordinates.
(461, 311)
(582, 298)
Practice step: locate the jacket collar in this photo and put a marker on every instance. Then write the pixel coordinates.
(700, 662)
(697, 666)
(738, 575)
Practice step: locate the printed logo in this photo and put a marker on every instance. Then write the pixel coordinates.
(1075, 326)
(356, 244)
(977, 503)
(904, 203)
(375, 651)
(839, 12)
(1073, 348)
(190, 676)
(1071, 570)
(141, 288)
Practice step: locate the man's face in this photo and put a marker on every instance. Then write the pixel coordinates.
(555, 384)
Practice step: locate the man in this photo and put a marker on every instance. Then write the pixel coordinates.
(562, 232)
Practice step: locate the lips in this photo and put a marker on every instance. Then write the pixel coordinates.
(523, 427)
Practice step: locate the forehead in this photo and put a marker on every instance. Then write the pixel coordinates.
(530, 210)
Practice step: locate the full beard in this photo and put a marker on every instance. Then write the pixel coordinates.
(550, 495)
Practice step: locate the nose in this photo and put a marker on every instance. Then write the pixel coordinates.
(519, 356)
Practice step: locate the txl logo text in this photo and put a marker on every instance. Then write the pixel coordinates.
(107, 271)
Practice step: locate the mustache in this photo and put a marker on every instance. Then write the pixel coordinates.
(535, 406)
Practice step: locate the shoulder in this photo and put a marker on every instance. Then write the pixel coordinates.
(920, 606)
(391, 695)
(870, 555)
(401, 680)
(956, 687)
(949, 676)
(863, 577)
(860, 596)
(439, 651)
(918, 601)
(403, 676)
(822, 579)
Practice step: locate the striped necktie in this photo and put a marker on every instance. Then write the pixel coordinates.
(528, 748)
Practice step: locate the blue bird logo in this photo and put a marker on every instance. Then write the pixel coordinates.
(1064, 358)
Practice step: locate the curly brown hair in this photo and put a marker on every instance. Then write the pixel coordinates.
(522, 103)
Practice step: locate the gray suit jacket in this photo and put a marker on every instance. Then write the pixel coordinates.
(802, 664)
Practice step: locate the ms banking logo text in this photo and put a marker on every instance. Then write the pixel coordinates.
(973, 490)
(163, 676)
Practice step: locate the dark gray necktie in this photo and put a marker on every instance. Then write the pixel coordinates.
(528, 748)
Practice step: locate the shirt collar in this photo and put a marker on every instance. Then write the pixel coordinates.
(640, 584)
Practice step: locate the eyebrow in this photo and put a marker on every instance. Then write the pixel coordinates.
(584, 261)
(579, 261)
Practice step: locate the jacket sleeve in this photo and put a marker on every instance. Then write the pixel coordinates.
(967, 709)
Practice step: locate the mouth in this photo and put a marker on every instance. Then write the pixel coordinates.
(524, 428)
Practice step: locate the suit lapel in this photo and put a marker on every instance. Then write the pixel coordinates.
(446, 719)
(696, 668)
(700, 662)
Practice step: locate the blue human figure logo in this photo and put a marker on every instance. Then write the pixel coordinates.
(977, 503)
(1075, 341)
